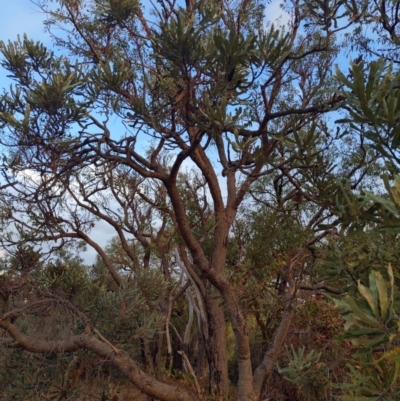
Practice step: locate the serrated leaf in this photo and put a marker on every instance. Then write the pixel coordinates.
(366, 293)
(372, 286)
(360, 314)
(383, 295)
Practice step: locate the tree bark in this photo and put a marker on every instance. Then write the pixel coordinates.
(216, 345)
(213, 328)
(147, 357)
(121, 359)
(266, 366)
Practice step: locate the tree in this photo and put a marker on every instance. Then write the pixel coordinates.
(206, 85)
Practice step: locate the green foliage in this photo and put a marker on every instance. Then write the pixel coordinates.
(308, 373)
(370, 380)
(273, 196)
(351, 257)
(373, 325)
(369, 210)
(372, 100)
(126, 316)
(116, 12)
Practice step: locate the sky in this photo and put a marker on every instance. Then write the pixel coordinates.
(22, 16)
(19, 17)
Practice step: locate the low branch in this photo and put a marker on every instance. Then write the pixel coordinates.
(121, 360)
(318, 287)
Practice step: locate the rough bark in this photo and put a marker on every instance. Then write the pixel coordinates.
(216, 345)
(148, 357)
(242, 346)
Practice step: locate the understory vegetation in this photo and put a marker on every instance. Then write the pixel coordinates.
(237, 179)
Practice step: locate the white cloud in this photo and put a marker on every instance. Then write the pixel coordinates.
(275, 14)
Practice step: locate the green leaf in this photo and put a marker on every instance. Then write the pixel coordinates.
(396, 373)
(360, 314)
(393, 354)
(383, 295)
(366, 293)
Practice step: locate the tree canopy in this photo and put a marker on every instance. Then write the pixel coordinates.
(237, 163)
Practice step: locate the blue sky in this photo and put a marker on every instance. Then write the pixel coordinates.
(22, 16)
(19, 17)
